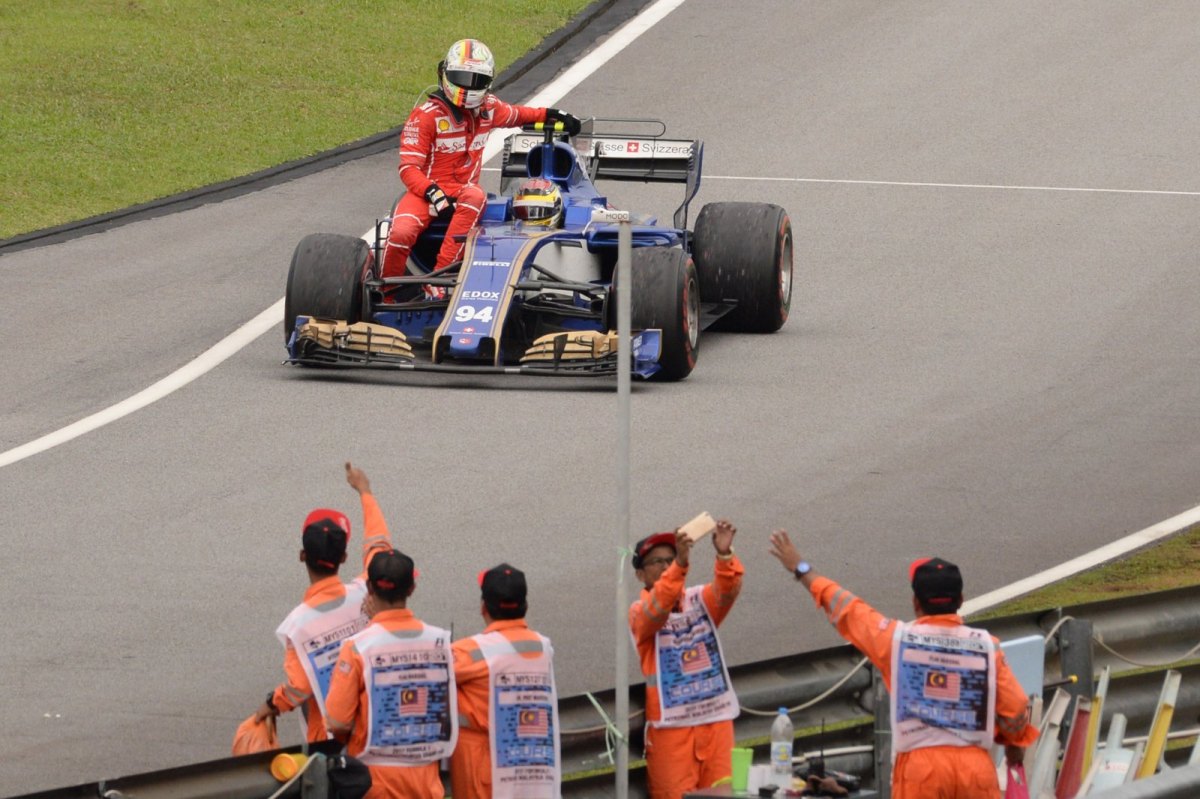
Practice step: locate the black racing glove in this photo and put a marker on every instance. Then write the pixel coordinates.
(438, 199)
(571, 123)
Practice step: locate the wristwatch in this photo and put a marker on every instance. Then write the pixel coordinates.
(802, 568)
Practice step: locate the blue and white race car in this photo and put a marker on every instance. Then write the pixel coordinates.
(529, 299)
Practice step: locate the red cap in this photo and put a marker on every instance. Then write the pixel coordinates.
(650, 542)
(335, 516)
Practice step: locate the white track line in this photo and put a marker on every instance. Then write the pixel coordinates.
(955, 185)
(223, 349)
(1084, 562)
(554, 91)
(918, 184)
(235, 341)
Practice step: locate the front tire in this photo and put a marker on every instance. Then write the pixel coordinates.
(325, 279)
(666, 295)
(743, 252)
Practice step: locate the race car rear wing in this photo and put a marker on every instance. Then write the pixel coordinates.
(616, 149)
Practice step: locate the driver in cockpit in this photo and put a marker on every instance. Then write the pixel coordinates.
(538, 201)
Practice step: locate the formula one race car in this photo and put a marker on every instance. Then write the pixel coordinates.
(532, 299)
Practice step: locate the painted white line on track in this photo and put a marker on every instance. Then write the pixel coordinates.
(554, 91)
(586, 66)
(931, 185)
(1084, 562)
(220, 351)
(920, 184)
(260, 324)
(996, 186)
(575, 75)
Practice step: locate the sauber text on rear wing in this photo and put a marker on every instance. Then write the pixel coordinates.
(615, 149)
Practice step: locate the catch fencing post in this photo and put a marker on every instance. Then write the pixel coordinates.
(624, 366)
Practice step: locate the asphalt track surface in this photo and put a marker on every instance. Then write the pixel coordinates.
(992, 355)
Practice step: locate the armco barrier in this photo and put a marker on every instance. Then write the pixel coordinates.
(1152, 630)
(1175, 784)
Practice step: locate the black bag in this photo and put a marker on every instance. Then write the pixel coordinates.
(349, 777)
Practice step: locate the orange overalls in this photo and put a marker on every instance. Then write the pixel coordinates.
(681, 759)
(297, 690)
(347, 706)
(471, 763)
(935, 772)
(443, 144)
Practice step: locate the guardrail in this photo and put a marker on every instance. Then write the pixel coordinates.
(1137, 637)
(1176, 784)
(1153, 630)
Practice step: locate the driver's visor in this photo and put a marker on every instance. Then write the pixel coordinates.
(471, 81)
(535, 209)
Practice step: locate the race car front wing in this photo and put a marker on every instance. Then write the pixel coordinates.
(329, 342)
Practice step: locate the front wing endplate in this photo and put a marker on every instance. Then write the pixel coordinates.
(328, 340)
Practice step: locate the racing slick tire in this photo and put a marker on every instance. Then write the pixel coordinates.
(666, 295)
(743, 252)
(326, 279)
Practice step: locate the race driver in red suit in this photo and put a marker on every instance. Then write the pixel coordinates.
(441, 152)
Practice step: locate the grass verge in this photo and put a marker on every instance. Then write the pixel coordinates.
(112, 103)
(1174, 563)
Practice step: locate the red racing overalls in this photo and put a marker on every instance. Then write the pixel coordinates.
(443, 144)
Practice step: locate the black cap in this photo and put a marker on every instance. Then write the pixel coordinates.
(324, 538)
(504, 591)
(936, 583)
(391, 574)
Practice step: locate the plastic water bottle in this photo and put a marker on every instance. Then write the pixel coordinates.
(782, 737)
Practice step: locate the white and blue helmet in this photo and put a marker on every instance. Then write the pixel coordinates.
(467, 73)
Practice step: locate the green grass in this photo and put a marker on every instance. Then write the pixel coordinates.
(109, 103)
(1173, 563)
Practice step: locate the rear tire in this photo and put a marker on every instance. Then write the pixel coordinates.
(326, 279)
(666, 295)
(743, 252)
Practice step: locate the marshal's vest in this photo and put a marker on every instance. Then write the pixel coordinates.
(523, 728)
(317, 633)
(693, 682)
(412, 706)
(943, 687)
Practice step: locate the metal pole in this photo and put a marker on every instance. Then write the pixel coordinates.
(624, 280)
(1075, 661)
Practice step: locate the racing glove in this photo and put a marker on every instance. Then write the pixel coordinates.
(438, 199)
(571, 123)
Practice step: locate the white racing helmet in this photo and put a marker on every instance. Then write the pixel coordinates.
(467, 73)
(538, 202)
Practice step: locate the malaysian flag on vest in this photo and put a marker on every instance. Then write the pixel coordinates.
(413, 702)
(695, 658)
(942, 685)
(533, 723)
